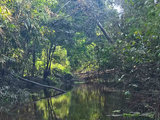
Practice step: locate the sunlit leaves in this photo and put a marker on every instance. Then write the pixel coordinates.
(35, 26)
(60, 60)
(5, 13)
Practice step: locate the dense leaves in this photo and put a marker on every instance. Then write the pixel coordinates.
(41, 37)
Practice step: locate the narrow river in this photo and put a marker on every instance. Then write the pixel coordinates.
(85, 102)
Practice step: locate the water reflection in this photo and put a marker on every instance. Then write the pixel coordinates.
(87, 102)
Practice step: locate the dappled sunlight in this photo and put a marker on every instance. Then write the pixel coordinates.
(99, 58)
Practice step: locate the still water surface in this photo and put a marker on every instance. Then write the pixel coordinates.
(86, 102)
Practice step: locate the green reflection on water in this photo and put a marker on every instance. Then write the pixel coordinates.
(55, 107)
(87, 102)
(84, 103)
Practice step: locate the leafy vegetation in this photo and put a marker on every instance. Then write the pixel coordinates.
(53, 40)
(79, 35)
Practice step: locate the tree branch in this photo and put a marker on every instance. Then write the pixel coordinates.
(63, 7)
(104, 32)
(36, 83)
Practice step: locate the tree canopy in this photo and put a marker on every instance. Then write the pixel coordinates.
(40, 37)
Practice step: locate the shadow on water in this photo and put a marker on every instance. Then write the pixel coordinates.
(86, 102)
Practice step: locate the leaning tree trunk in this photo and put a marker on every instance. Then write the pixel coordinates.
(104, 32)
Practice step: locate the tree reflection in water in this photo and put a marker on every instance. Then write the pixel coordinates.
(87, 102)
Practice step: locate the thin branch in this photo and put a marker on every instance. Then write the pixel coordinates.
(63, 7)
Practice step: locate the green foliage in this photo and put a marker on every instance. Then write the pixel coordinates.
(60, 61)
(30, 30)
(45, 38)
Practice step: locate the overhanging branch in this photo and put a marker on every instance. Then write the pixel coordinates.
(36, 83)
(104, 32)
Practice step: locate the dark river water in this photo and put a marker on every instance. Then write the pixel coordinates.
(85, 102)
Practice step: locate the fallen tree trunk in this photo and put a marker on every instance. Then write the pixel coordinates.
(36, 83)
